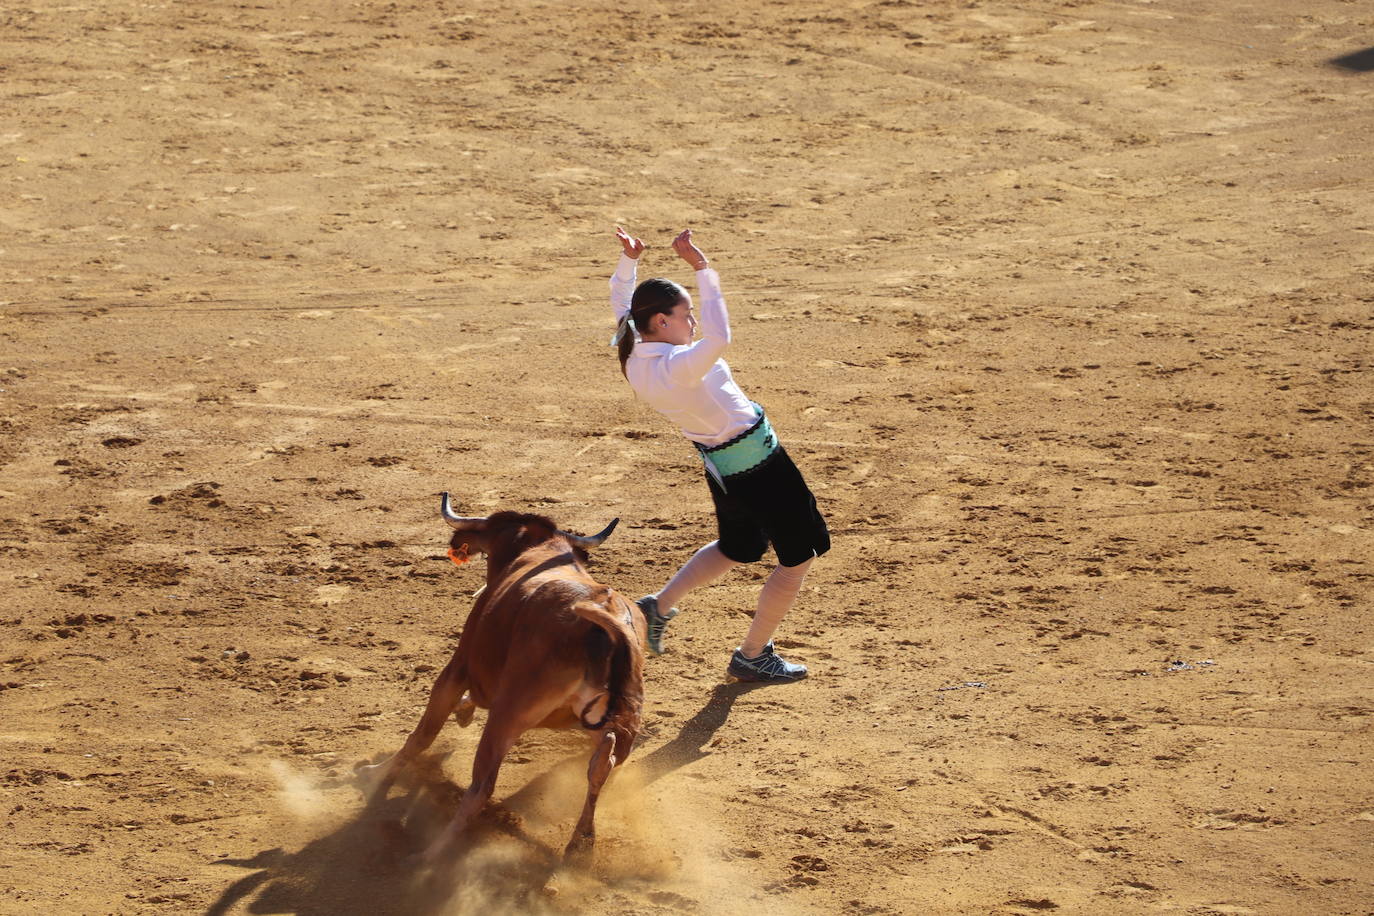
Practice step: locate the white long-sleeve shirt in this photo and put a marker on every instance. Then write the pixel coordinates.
(690, 385)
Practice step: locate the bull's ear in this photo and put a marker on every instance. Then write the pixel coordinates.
(458, 522)
(587, 543)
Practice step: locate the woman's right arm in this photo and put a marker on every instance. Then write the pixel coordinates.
(623, 280)
(690, 365)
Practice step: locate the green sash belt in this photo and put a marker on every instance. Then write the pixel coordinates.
(748, 451)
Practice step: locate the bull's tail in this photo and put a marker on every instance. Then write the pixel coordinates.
(614, 653)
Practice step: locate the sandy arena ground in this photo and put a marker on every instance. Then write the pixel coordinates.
(1065, 308)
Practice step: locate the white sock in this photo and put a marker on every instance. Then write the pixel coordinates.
(706, 565)
(776, 599)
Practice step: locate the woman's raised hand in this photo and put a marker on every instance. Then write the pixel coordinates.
(688, 251)
(633, 246)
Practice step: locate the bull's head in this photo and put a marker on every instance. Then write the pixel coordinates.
(475, 530)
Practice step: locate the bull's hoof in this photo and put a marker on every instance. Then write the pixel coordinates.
(579, 851)
(373, 780)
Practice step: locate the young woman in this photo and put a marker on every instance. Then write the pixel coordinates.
(759, 495)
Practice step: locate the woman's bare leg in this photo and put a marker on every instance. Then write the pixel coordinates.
(776, 599)
(706, 566)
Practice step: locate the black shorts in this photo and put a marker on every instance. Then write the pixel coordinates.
(770, 505)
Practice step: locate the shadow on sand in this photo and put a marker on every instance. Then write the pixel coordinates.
(365, 865)
(1358, 62)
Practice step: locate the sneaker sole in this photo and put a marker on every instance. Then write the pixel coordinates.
(732, 678)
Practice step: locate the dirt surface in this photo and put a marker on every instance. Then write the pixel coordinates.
(1064, 308)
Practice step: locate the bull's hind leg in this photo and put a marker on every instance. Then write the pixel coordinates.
(602, 762)
(443, 700)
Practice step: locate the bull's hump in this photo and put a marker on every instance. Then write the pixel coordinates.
(564, 591)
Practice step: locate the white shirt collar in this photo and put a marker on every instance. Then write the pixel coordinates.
(650, 348)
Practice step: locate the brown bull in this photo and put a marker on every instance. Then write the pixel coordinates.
(544, 646)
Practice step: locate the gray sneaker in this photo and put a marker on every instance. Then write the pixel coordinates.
(769, 667)
(656, 622)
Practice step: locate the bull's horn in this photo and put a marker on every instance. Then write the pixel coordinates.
(457, 522)
(587, 543)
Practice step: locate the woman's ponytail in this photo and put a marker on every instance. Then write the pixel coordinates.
(625, 340)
